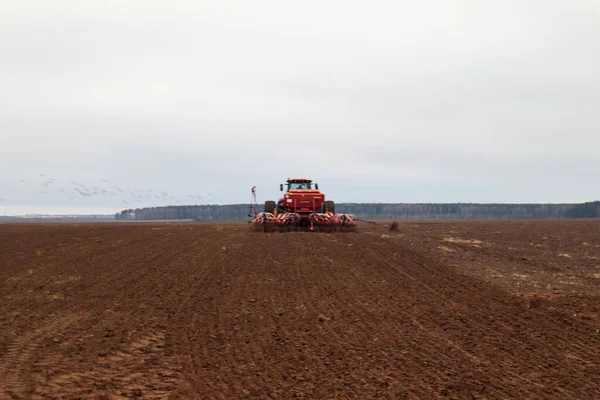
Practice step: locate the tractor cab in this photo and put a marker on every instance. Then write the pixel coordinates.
(299, 184)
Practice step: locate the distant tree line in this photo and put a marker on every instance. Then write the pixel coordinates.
(229, 212)
(585, 210)
(233, 212)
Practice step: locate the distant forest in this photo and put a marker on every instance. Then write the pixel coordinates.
(233, 212)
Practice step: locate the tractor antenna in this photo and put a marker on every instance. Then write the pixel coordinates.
(253, 210)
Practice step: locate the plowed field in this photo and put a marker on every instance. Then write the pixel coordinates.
(190, 311)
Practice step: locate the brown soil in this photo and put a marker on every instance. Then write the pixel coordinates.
(434, 310)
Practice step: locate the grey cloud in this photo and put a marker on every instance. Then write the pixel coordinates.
(395, 101)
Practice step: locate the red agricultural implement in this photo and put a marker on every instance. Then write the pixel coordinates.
(302, 208)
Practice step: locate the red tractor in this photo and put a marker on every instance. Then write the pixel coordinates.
(302, 206)
(301, 197)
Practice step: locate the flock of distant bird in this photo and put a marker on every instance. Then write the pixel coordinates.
(128, 197)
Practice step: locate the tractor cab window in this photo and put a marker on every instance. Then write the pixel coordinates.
(299, 185)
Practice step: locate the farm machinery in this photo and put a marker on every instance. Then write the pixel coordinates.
(301, 208)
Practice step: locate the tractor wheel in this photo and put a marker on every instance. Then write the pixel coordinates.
(270, 207)
(329, 206)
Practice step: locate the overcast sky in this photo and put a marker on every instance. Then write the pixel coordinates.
(106, 105)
